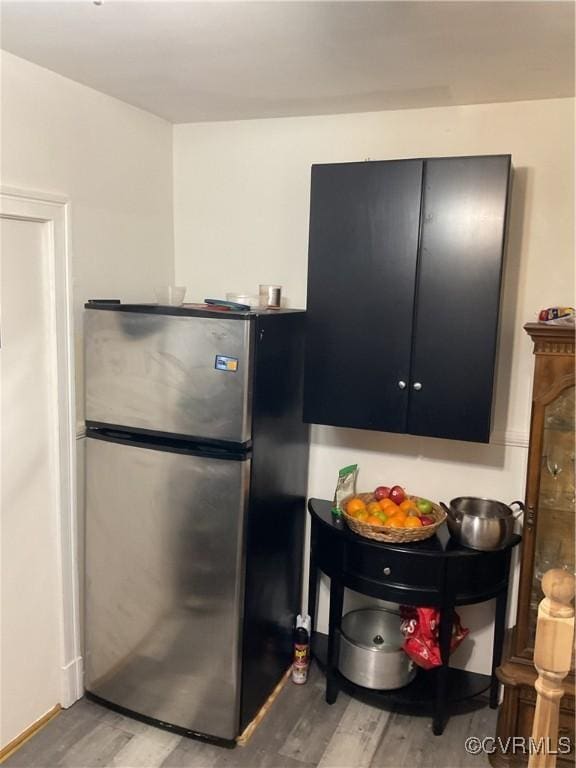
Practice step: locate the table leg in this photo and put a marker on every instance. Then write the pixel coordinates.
(335, 616)
(313, 578)
(499, 622)
(445, 636)
(499, 630)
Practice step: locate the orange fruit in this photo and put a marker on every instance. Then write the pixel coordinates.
(362, 516)
(412, 522)
(392, 509)
(394, 522)
(354, 506)
(407, 505)
(385, 503)
(373, 520)
(373, 508)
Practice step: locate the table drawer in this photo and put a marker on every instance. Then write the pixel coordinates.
(480, 572)
(391, 566)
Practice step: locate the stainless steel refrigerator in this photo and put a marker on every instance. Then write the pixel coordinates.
(196, 470)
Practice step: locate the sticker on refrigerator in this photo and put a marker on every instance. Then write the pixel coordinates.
(224, 363)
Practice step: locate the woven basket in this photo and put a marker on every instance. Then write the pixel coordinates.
(392, 535)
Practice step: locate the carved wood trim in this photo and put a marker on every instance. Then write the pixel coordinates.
(552, 339)
(547, 393)
(550, 347)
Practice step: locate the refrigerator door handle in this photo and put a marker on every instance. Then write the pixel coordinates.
(224, 451)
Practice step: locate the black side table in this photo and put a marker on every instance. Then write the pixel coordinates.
(435, 572)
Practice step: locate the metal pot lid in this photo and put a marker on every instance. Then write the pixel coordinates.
(373, 629)
(480, 507)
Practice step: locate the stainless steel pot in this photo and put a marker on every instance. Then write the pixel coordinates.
(371, 652)
(482, 524)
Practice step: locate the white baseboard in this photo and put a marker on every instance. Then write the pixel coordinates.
(72, 682)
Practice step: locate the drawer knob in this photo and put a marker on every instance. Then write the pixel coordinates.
(417, 386)
(402, 384)
(386, 571)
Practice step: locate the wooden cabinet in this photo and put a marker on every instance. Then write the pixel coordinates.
(404, 274)
(548, 528)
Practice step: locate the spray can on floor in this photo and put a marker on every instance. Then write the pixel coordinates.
(301, 660)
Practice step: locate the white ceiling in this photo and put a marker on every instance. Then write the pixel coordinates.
(197, 61)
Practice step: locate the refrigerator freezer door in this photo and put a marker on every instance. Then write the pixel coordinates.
(165, 582)
(187, 376)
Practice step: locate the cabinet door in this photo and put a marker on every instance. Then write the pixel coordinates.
(554, 540)
(457, 296)
(361, 276)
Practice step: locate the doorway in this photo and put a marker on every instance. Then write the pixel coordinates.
(40, 650)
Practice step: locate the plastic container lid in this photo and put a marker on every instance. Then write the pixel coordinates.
(243, 298)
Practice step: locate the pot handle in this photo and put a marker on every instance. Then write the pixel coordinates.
(521, 508)
(449, 511)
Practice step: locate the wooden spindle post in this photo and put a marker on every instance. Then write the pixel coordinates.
(552, 657)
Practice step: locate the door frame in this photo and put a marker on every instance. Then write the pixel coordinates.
(54, 211)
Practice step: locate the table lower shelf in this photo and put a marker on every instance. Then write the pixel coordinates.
(420, 693)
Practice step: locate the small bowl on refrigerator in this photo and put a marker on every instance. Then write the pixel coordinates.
(243, 298)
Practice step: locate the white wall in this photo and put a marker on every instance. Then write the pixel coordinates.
(241, 198)
(114, 163)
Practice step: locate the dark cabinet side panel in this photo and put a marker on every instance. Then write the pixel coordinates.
(277, 508)
(364, 221)
(458, 296)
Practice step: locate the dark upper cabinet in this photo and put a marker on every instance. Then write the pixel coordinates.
(361, 282)
(404, 275)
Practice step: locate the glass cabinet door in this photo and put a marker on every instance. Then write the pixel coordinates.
(556, 499)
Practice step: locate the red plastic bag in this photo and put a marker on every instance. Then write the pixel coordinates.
(420, 627)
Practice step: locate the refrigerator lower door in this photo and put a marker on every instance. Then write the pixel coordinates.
(164, 583)
(178, 375)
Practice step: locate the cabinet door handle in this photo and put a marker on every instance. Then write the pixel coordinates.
(402, 384)
(386, 571)
(417, 386)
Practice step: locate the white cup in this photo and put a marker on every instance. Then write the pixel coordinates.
(170, 295)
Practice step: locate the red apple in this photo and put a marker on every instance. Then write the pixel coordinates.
(427, 520)
(397, 494)
(382, 492)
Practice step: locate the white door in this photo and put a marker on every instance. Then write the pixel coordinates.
(30, 479)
